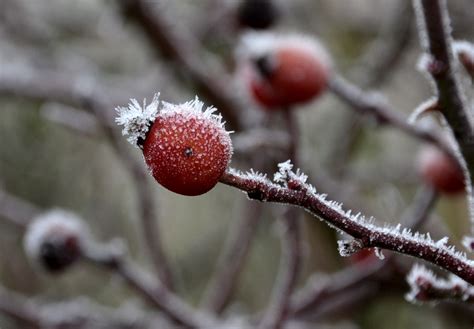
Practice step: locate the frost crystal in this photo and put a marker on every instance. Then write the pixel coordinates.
(136, 119)
(193, 108)
(347, 248)
(51, 224)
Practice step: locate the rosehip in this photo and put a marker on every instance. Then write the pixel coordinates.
(257, 14)
(186, 148)
(440, 171)
(54, 240)
(283, 71)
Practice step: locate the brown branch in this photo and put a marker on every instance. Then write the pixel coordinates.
(262, 189)
(211, 82)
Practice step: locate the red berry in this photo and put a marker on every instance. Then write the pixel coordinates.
(287, 71)
(440, 171)
(187, 150)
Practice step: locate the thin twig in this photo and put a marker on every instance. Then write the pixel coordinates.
(369, 104)
(155, 293)
(187, 53)
(17, 308)
(222, 284)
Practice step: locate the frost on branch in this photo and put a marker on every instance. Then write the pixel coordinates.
(428, 106)
(347, 248)
(136, 119)
(425, 286)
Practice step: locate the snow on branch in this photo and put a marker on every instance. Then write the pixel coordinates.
(395, 238)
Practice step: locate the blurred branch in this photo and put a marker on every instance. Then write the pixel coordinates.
(370, 104)
(210, 80)
(79, 92)
(231, 261)
(155, 293)
(16, 210)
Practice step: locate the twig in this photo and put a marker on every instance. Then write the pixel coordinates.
(372, 105)
(155, 293)
(16, 210)
(222, 284)
(370, 235)
(187, 53)
(277, 310)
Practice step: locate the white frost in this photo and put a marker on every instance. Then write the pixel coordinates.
(136, 119)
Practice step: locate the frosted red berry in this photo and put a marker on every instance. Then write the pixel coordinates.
(185, 147)
(287, 71)
(440, 171)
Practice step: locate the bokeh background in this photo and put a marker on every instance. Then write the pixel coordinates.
(97, 45)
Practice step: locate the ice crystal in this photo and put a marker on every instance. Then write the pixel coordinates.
(136, 119)
(347, 248)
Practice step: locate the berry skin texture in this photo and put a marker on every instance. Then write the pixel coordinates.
(440, 171)
(187, 150)
(286, 71)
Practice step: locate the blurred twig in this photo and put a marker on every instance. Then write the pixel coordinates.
(211, 81)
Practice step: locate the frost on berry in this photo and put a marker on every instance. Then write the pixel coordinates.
(54, 239)
(187, 148)
(136, 119)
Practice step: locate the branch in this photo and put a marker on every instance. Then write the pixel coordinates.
(421, 246)
(188, 54)
(157, 294)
